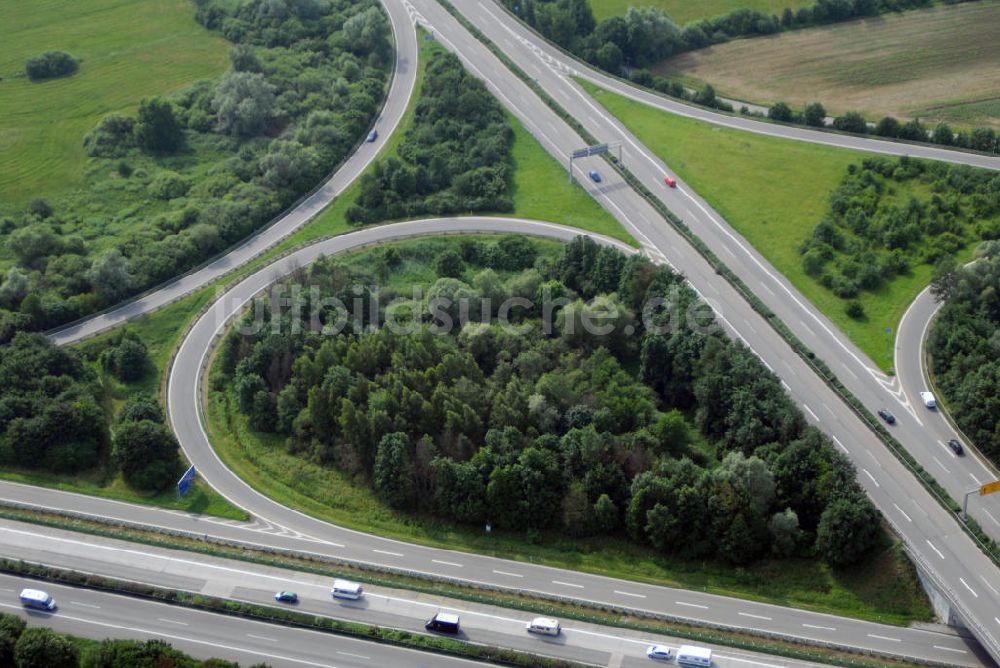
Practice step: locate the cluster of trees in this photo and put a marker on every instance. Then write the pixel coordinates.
(455, 157)
(647, 35)
(144, 448)
(677, 437)
(303, 88)
(50, 65)
(965, 345)
(872, 232)
(39, 647)
(979, 139)
(50, 415)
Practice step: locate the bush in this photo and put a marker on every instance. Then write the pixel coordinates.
(852, 121)
(887, 127)
(854, 309)
(147, 454)
(780, 111)
(44, 648)
(112, 137)
(127, 359)
(157, 129)
(49, 65)
(11, 628)
(814, 115)
(169, 185)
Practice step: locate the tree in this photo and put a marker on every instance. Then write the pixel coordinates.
(43, 648)
(393, 473)
(147, 454)
(112, 137)
(847, 529)
(945, 278)
(609, 57)
(126, 361)
(943, 134)
(913, 130)
(706, 96)
(887, 127)
(157, 129)
(32, 244)
(140, 407)
(15, 287)
(449, 264)
(815, 115)
(852, 121)
(780, 111)
(110, 276)
(49, 65)
(244, 59)
(244, 103)
(366, 32)
(983, 139)
(605, 514)
(785, 533)
(11, 628)
(289, 164)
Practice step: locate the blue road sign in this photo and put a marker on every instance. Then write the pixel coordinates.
(185, 482)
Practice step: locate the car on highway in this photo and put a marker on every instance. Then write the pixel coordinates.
(928, 399)
(887, 416)
(670, 181)
(286, 597)
(443, 622)
(659, 652)
(544, 626)
(594, 176)
(372, 136)
(38, 599)
(956, 446)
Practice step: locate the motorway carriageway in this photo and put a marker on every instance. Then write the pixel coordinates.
(382, 606)
(220, 577)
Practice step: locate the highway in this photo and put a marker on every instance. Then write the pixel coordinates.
(938, 545)
(911, 341)
(205, 635)
(381, 606)
(404, 76)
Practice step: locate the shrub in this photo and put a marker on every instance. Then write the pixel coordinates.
(852, 121)
(169, 185)
(780, 111)
(854, 309)
(49, 65)
(157, 130)
(147, 454)
(814, 115)
(887, 127)
(44, 648)
(112, 137)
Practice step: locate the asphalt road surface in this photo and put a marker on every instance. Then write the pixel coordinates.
(97, 615)
(381, 606)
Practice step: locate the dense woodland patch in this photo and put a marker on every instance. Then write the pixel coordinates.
(965, 346)
(454, 158)
(681, 439)
(189, 175)
(890, 215)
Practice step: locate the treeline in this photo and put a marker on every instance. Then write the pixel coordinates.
(964, 345)
(51, 417)
(190, 175)
(880, 224)
(39, 647)
(647, 35)
(550, 427)
(978, 139)
(455, 158)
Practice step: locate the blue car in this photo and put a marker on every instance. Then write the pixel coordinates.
(594, 176)
(372, 136)
(286, 597)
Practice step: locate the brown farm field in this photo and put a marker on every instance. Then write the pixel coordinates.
(938, 64)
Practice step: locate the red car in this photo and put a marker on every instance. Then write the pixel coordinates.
(670, 181)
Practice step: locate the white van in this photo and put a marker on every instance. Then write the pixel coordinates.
(544, 625)
(928, 399)
(688, 655)
(36, 598)
(346, 589)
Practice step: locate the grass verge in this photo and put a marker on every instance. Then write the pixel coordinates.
(507, 598)
(773, 192)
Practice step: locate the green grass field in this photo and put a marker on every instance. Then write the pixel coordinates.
(685, 11)
(884, 589)
(941, 64)
(128, 51)
(773, 192)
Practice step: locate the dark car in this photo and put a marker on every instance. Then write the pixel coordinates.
(887, 416)
(286, 597)
(594, 176)
(956, 446)
(372, 136)
(443, 622)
